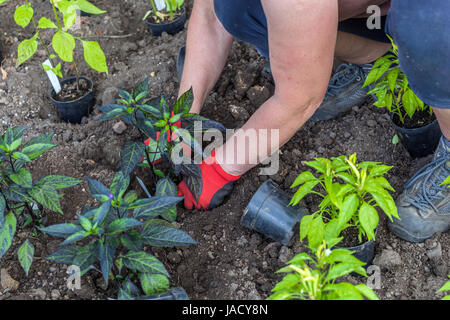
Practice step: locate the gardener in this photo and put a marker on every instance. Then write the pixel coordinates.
(301, 38)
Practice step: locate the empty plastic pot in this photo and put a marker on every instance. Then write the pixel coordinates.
(269, 213)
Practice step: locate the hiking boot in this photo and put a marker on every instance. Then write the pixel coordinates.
(424, 205)
(344, 91)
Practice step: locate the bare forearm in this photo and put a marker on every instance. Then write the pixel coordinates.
(207, 48)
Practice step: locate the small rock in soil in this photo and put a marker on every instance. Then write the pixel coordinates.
(109, 95)
(174, 257)
(55, 294)
(285, 254)
(255, 239)
(272, 249)
(258, 95)
(119, 127)
(436, 252)
(387, 258)
(243, 81)
(7, 282)
(371, 123)
(239, 113)
(38, 293)
(242, 241)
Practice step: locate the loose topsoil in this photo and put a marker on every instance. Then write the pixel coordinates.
(230, 261)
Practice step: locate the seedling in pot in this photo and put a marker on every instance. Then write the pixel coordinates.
(23, 200)
(114, 234)
(171, 6)
(169, 130)
(392, 89)
(63, 42)
(352, 192)
(313, 276)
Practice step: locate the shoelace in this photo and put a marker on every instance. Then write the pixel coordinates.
(344, 75)
(422, 200)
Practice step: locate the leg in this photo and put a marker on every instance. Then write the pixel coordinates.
(358, 50)
(424, 205)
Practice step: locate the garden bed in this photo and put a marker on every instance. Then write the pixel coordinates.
(230, 262)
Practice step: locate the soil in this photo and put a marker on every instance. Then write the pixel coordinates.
(418, 120)
(230, 261)
(72, 91)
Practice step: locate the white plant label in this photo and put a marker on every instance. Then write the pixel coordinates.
(52, 77)
(160, 4)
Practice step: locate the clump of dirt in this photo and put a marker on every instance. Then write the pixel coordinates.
(230, 261)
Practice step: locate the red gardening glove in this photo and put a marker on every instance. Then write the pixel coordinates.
(216, 185)
(147, 142)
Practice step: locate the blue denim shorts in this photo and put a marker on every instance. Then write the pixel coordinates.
(420, 28)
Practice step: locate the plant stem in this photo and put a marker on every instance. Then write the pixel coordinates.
(152, 2)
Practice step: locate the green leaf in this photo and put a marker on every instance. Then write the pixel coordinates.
(35, 150)
(47, 196)
(141, 88)
(132, 240)
(130, 155)
(94, 56)
(160, 234)
(184, 103)
(21, 156)
(379, 170)
(61, 230)
(59, 182)
(367, 292)
(153, 283)
(23, 15)
(45, 23)
(154, 206)
(119, 185)
(88, 7)
(7, 231)
(368, 217)
(316, 233)
(26, 49)
(112, 111)
(22, 177)
(446, 181)
(305, 225)
(303, 191)
(166, 187)
(302, 178)
(339, 270)
(98, 189)
(106, 256)
(144, 262)
(409, 102)
(26, 255)
(288, 283)
(75, 237)
(101, 212)
(65, 255)
(122, 224)
(348, 209)
(64, 43)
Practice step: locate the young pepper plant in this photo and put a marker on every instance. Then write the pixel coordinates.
(352, 193)
(63, 42)
(313, 277)
(23, 199)
(171, 130)
(390, 85)
(115, 233)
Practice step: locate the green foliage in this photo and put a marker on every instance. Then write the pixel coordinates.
(161, 123)
(313, 277)
(63, 42)
(352, 192)
(445, 287)
(21, 196)
(171, 7)
(115, 232)
(392, 89)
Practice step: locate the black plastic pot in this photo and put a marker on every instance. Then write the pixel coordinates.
(171, 294)
(364, 252)
(172, 27)
(420, 142)
(269, 213)
(74, 111)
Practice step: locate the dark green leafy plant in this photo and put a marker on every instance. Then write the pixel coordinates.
(23, 200)
(313, 277)
(63, 41)
(115, 232)
(352, 191)
(171, 130)
(392, 89)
